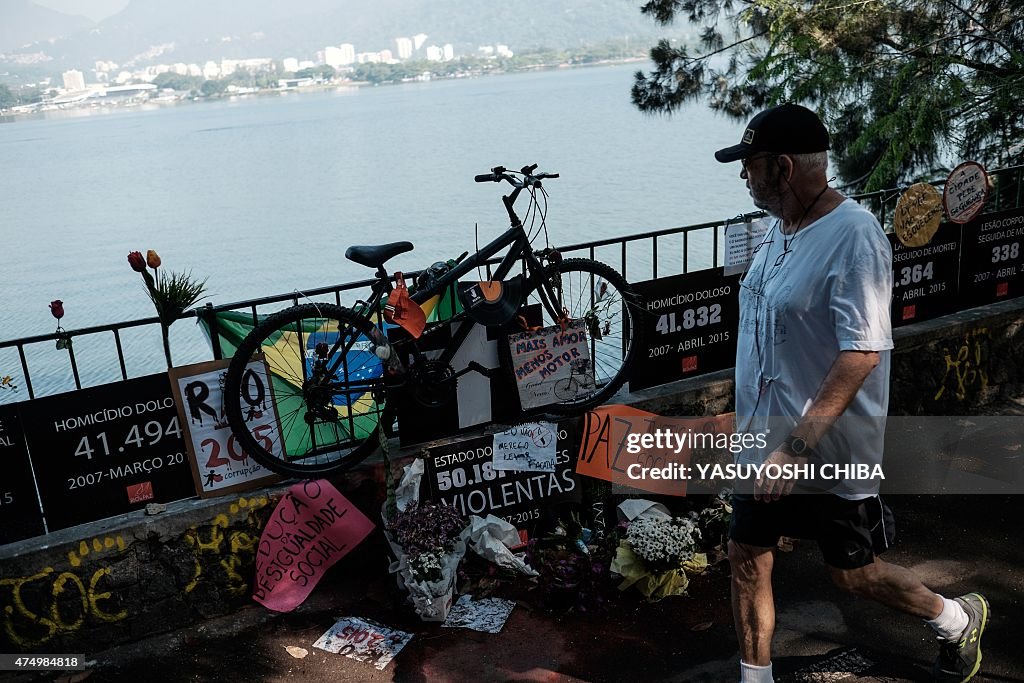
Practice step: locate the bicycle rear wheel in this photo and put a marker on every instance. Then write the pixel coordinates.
(597, 295)
(326, 390)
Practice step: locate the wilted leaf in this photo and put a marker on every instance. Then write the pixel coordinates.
(296, 652)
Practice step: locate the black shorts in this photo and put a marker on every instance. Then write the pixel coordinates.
(849, 532)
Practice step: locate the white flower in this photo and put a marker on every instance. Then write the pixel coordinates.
(669, 542)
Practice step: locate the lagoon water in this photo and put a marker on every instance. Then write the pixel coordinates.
(262, 195)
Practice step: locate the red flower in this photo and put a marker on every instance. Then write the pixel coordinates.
(137, 262)
(57, 309)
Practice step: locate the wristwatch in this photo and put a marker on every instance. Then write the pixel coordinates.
(798, 446)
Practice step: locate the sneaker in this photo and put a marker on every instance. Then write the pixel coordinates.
(960, 659)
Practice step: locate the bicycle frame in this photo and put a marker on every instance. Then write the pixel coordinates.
(521, 250)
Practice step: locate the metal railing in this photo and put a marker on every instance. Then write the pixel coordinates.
(701, 246)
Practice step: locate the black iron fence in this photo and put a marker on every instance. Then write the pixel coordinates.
(639, 256)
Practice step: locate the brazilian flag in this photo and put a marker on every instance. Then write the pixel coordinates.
(286, 351)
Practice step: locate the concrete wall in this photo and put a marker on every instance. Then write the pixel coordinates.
(90, 587)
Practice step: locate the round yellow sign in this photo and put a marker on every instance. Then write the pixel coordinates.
(918, 213)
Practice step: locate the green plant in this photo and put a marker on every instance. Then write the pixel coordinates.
(171, 293)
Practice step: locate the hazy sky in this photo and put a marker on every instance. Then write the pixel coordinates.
(96, 10)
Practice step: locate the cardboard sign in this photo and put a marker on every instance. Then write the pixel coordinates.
(20, 515)
(965, 192)
(526, 448)
(312, 527)
(605, 450)
(219, 465)
(992, 264)
(689, 327)
(363, 640)
(925, 279)
(552, 365)
(918, 213)
(106, 450)
(462, 474)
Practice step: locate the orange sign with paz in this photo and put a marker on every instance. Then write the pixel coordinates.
(642, 450)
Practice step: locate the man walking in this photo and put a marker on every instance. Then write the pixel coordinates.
(812, 371)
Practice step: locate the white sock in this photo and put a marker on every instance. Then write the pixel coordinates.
(951, 622)
(750, 673)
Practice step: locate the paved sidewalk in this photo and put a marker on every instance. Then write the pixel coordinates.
(956, 544)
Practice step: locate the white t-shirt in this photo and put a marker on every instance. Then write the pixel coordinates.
(804, 298)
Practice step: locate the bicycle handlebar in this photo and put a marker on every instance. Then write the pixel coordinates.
(529, 179)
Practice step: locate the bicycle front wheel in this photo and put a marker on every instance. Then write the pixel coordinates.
(594, 293)
(325, 397)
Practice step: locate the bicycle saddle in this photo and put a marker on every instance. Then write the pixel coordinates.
(375, 256)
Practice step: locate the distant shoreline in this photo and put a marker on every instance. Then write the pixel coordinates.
(100, 108)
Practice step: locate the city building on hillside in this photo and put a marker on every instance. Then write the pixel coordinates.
(418, 40)
(404, 47)
(503, 51)
(348, 53)
(434, 53)
(332, 56)
(448, 52)
(74, 80)
(211, 70)
(290, 64)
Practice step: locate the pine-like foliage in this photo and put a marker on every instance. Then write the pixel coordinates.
(902, 85)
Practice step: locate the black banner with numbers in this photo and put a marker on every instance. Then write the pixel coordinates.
(689, 325)
(106, 450)
(924, 279)
(20, 516)
(462, 474)
(992, 265)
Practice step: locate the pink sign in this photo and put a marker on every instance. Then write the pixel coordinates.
(312, 527)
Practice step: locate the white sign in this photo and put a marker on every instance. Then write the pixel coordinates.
(527, 448)
(363, 640)
(965, 192)
(740, 241)
(552, 366)
(218, 461)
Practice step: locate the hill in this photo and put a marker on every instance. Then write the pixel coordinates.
(195, 30)
(25, 23)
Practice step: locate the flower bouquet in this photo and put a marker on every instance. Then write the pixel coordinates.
(429, 541)
(655, 555)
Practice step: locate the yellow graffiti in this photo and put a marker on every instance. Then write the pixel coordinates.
(75, 558)
(52, 603)
(83, 602)
(95, 597)
(966, 371)
(209, 548)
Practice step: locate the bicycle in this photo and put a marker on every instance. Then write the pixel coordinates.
(331, 368)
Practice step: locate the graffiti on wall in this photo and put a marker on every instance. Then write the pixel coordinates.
(92, 588)
(224, 551)
(965, 366)
(50, 603)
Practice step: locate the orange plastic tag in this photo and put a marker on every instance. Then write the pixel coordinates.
(403, 311)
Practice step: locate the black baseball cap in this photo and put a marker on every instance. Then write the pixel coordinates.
(785, 129)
